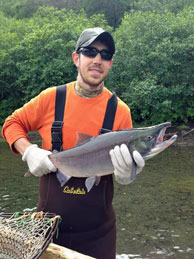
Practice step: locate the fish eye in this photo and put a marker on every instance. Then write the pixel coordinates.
(150, 137)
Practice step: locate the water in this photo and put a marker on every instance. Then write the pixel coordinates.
(17, 193)
(155, 215)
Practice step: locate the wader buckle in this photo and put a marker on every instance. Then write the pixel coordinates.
(56, 132)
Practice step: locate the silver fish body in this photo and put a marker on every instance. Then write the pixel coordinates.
(91, 158)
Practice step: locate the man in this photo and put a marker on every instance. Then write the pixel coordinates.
(88, 219)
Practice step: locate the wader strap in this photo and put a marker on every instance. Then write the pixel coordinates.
(110, 114)
(56, 130)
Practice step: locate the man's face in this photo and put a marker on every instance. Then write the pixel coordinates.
(92, 70)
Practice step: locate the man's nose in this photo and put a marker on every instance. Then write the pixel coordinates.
(98, 58)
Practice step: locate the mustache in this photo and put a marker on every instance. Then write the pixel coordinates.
(98, 67)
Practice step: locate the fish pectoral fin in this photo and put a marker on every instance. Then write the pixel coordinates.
(89, 183)
(97, 180)
(62, 178)
(134, 171)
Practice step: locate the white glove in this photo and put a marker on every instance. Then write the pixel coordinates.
(123, 163)
(38, 161)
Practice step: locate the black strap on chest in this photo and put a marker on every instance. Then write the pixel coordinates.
(110, 114)
(56, 129)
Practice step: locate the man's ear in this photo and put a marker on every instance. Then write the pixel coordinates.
(111, 62)
(75, 57)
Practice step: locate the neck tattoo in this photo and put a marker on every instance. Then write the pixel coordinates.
(86, 92)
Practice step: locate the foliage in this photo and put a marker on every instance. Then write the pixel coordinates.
(112, 9)
(11, 32)
(153, 65)
(22, 8)
(41, 56)
(160, 6)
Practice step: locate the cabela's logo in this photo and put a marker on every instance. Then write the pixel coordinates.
(72, 190)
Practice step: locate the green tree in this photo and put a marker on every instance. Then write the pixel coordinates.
(112, 9)
(22, 8)
(153, 65)
(39, 56)
(160, 6)
(11, 32)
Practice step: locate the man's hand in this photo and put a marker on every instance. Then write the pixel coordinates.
(38, 161)
(123, 163)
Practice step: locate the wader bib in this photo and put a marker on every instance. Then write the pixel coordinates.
(88, 219)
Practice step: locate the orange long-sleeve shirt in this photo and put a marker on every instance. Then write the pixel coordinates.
(81, 115)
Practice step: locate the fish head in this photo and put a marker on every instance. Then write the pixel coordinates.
(149, 141)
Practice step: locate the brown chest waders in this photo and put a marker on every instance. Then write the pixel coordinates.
(88, 219)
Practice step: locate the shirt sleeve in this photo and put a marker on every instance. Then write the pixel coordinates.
(23, 120)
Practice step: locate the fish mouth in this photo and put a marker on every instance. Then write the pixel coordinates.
(160, 144)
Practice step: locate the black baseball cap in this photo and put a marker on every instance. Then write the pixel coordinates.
(88, 36)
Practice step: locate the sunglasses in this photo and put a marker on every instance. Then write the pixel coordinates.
(93, 52)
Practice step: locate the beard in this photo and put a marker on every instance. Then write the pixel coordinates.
(91, 83)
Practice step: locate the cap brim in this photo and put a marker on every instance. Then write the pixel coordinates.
(107, 39)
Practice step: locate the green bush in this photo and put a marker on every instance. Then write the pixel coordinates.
(153, 65)
(160, 6)
(41, 56)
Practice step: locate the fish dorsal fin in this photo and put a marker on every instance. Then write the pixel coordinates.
(55, 151)
(82, 137)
